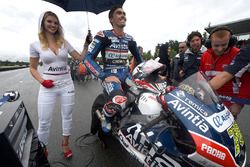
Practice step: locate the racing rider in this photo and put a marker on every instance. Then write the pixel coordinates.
(114, 46)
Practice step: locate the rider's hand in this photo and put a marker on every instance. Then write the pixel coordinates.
(112, 79)
(48, 83)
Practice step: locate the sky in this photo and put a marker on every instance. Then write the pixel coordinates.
(149, 21)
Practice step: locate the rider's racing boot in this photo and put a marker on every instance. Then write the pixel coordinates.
(106, 125)
(109, 110)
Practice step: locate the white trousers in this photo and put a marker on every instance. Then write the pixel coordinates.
(47, 98)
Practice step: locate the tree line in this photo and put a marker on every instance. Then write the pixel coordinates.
(173, 44)
(16, 63)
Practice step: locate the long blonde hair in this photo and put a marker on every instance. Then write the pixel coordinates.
(59, 36)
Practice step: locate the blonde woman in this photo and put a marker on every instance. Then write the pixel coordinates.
(52, 49)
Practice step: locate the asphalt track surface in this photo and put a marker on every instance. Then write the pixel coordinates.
(87, 152)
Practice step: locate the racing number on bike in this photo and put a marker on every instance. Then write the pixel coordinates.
(234, 132)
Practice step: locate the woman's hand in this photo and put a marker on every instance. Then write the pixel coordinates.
(48, 83)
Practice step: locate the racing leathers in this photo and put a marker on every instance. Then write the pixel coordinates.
(114, 51)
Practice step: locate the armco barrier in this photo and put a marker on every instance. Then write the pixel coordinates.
(11, 68)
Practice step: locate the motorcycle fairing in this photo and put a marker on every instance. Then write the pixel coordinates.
(147, 148)
(202, 120)
(194, 119)
(129, 147)
(203, 160)
(213, 150)
(219, 118)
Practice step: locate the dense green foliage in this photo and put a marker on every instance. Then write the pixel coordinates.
(9, 63)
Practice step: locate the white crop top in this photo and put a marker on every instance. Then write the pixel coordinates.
(53, 64)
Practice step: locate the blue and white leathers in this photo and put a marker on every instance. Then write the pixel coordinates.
(114, 50)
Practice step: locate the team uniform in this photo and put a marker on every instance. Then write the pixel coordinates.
(240, 66)
(244, 75)
(190, 62)
(54, 68)
(212, 65)
(241, 61)
(114, 50)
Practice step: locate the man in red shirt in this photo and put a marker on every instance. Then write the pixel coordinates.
(242, 60)
(220, 53)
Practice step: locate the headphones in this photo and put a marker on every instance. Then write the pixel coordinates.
(193, 34)
(232, 40)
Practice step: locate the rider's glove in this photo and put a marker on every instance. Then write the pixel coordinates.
(48, 83)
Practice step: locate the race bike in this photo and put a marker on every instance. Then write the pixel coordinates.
(187, 126)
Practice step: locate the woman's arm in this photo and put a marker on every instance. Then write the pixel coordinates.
(33, 69)
(81, 56)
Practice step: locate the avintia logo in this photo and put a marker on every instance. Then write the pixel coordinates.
(63, 68)
(185, 111)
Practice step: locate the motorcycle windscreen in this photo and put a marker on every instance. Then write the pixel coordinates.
(208, 121)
